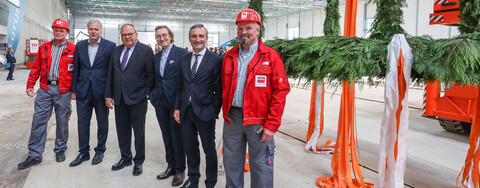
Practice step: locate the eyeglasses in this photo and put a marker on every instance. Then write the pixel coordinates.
(161, 36)
(127, 35)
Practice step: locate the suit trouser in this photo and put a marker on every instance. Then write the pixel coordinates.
(172, 136)
(126, 118)
(261, 154)
(85, 108)
(45, 101)
(10, 71)
(192, 126)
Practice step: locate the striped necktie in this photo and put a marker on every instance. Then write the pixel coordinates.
(194, 67)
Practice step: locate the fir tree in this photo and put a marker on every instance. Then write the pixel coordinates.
(470, 15)
(388, 19)
(331, 26)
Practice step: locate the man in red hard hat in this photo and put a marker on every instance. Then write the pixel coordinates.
(255, 87)
(54, 66)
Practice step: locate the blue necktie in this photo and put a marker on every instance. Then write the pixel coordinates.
(194, 67)
(124, 59)
(162, 63)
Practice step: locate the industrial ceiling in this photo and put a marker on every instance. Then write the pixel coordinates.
(219, 11)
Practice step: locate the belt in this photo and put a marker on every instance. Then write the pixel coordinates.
(237, 108)
(52, 82)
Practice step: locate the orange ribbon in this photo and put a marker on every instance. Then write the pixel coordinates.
(473, 155)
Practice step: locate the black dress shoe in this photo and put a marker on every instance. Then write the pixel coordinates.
(164, 175)
(28, 163)
(189, 184)
(137, 170)
(98, 158)
(178, 179)
(60, 156)
(80, 158)
(122, 163)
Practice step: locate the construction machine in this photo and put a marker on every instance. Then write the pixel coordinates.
(453, 110)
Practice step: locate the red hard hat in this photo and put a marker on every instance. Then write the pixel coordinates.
(61, 23)
(249, 14)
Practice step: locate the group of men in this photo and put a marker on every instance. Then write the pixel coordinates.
(187, 90)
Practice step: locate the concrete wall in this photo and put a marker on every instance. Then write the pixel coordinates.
(37, 22)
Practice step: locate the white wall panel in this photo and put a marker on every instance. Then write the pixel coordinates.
(318, 20)
(38, 18)
(306, 24)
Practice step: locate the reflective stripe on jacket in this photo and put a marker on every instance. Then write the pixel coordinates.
(266, 87)
(42, 64)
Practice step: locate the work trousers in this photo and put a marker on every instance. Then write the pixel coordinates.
(45, 101)
(85, 108)
(261, 154)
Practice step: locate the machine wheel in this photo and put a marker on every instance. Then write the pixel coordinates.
(455, 126)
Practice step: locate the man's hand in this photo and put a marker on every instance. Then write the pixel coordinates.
(176, 115)
(30, 92)
(109, 103)
(267, 135)
(74, 96)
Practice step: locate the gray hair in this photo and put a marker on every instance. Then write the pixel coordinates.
(95, 21)
(128, 24)
(197, 26)
(257, 26)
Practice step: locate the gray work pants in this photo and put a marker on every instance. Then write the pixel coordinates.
(45, 101)
(235, 139)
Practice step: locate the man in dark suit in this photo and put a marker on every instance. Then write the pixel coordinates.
(130, 79)
(198, 102)
(90, 68)
(162, 97)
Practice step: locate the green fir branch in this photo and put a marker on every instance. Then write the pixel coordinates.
(470, 16)
(338, 58)
(388, 19)
(331, 26)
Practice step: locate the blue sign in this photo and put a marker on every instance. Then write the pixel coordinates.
(14, 26)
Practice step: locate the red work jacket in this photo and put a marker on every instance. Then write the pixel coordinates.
(42, 64)
(266, 87)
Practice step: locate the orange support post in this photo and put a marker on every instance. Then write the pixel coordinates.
(429, 96)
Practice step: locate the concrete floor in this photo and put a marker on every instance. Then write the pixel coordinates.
(435, 156)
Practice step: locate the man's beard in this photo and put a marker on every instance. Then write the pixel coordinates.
(244, 41)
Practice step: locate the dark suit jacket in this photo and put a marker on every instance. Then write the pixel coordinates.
(10, 58)
(205, 89)
(135, 83)
(85, 75)
(171, 76)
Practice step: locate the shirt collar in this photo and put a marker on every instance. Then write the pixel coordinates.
(98, 42)
(64, 43)
(131, 48)
(168, 49)
(201, 52)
